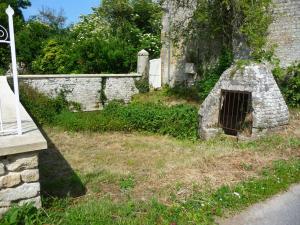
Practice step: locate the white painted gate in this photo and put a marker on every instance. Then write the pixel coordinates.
(155, 73)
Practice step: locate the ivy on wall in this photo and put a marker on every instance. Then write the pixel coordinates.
(215, 30)
(223, 21)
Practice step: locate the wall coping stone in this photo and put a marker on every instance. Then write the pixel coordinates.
(39, 76)
(31, 139)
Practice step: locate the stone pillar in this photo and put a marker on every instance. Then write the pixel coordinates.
(19, 174)
(19, 180)
(143, 63)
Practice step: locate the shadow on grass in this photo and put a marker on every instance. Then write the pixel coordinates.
(57, 177)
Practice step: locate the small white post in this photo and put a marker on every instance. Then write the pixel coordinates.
(10, 12)
(143, 63)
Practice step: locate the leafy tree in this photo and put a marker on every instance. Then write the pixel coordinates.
(29, 41)
(17, 5)
(107, 40)
(54, 58)
(51, 17)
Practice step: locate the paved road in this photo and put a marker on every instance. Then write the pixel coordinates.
(283, 209)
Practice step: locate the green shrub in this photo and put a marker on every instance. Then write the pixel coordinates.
(212, 75)
(25, 215)
(43, 108)
(178, 121)
(142, 85)
(184, 92)
(289, 82)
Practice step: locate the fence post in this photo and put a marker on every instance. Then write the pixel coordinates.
(10, 12)
(143, 63)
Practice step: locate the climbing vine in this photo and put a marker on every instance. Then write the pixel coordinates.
(103, 97)
(234, 21)
(220, 31)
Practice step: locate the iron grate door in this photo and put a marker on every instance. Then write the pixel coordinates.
(235, 106)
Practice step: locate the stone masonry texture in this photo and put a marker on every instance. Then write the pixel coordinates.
(19, 180)
(269, 109)
(284, 32)
(284, 35)
(176, 18)
(85, 90)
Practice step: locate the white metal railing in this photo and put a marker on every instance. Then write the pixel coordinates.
(9, 38)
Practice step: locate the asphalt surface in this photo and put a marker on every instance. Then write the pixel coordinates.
(283, 209)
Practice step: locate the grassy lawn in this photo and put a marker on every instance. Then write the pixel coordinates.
(135, 178)
(97, 176)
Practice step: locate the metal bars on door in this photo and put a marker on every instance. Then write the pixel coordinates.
(234, 107)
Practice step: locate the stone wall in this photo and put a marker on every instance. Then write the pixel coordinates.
(19, 180)
(285, 31)
(177, 15)
(85, 89)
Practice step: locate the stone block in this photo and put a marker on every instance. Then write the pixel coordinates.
(2, 168)
(10, 180)
(29, 176)
(4, 204)
(3, 210)
(22, 162)
(36, 202)
(24, 191)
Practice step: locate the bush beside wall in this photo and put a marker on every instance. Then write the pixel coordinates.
(179, 121)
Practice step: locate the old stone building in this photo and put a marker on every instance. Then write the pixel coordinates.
(176, 18)
(284, 33)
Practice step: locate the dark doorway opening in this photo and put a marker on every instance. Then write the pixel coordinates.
(235, 114)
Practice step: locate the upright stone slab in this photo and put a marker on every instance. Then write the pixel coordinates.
(155, 73)
(143, 63)
(19, 173)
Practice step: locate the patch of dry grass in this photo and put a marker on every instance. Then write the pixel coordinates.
(162, 166)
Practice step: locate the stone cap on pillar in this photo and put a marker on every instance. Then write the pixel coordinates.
(10, 143)
(143, 53)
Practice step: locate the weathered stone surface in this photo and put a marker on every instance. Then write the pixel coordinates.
(4, 204)
(24, 191)
(3, 211)
(269, 109)
(120, 89)
(36, 202)
(29, 176)
(10, 180)
(2, 168)
(143, 63)
(85, 89)
(22, 161)
(176, 18)
(284, 32)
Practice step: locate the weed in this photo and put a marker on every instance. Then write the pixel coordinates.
(127, 183)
